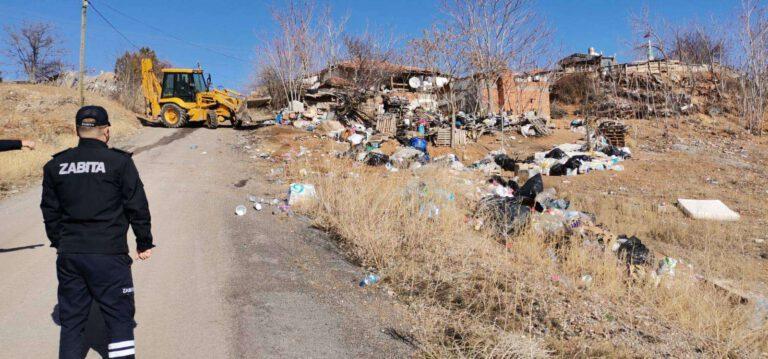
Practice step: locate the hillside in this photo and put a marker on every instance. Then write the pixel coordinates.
(477, 293)
(46, 114)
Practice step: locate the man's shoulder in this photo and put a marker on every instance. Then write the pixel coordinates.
(57, 154)
(56, 157)
(122, 152)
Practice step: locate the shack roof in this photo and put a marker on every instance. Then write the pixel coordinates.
(577, 58)
(386, 66)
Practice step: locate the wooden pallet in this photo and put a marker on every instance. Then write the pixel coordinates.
(614, 132)
(615, 136)
(387, 125)
(444, 137)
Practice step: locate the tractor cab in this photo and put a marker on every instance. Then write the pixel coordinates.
(184, 84)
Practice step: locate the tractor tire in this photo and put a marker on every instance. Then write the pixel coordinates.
(237, 120)
(236, 123)
(173, 116)
(213, 120)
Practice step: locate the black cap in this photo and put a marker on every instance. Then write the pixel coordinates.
(92, 116)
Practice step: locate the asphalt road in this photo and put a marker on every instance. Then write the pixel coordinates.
(218, 285)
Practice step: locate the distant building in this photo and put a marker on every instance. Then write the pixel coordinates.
(514, 93)
(589, 62)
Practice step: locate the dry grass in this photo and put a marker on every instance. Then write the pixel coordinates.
(46, 114)
(479, 296)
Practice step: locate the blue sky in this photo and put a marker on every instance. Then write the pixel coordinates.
(227, 31)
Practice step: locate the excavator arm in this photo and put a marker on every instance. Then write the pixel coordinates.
(150, 88)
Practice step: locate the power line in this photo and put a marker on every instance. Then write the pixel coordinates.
(110, 24)
(169, 34)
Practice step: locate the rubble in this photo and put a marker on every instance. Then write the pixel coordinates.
(571, 159)
(104, 83)
(645, 89)
(405, 109)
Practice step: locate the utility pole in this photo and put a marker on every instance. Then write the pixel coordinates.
(81, 78)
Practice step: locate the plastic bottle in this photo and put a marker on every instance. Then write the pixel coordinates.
(240, 210)
(370, 279)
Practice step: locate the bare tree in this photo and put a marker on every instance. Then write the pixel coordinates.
(498, 35)
(292, 51)
(653, 39)
(753, 39)
(269, 83)
(440, 50)
(696, 46)
(332, 36)
(647, 28)
(35, 47)
(370, 58)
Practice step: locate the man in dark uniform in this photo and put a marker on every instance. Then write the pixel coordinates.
(91, 193)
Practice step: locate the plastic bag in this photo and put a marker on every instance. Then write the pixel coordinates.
(532, 187)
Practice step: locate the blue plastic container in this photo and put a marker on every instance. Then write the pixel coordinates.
(419, 144)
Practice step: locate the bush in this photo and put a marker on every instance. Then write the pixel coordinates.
(556, 112)
(128, 77)
(572, 89)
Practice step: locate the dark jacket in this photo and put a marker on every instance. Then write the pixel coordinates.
(91, 193)
(9, 145)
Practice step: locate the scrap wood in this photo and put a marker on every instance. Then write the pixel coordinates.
(596, 231)
(444, 137)
(727, 286)
(387, 125)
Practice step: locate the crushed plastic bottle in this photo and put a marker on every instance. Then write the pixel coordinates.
(431, 210)
(667, 266)
(240, 210)
(369, 280)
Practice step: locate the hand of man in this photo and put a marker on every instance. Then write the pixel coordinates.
(143, 255)
(28, 144)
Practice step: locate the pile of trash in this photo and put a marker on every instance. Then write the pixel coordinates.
(571, 159)
(410, 156)
(509, 207)
(104, 83)
(395, 113)
(532, 125)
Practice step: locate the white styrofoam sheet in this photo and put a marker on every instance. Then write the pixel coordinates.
(710, 209)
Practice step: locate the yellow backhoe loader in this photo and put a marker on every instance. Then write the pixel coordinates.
(184, 96)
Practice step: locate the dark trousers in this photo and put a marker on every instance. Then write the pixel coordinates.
(107, 279)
